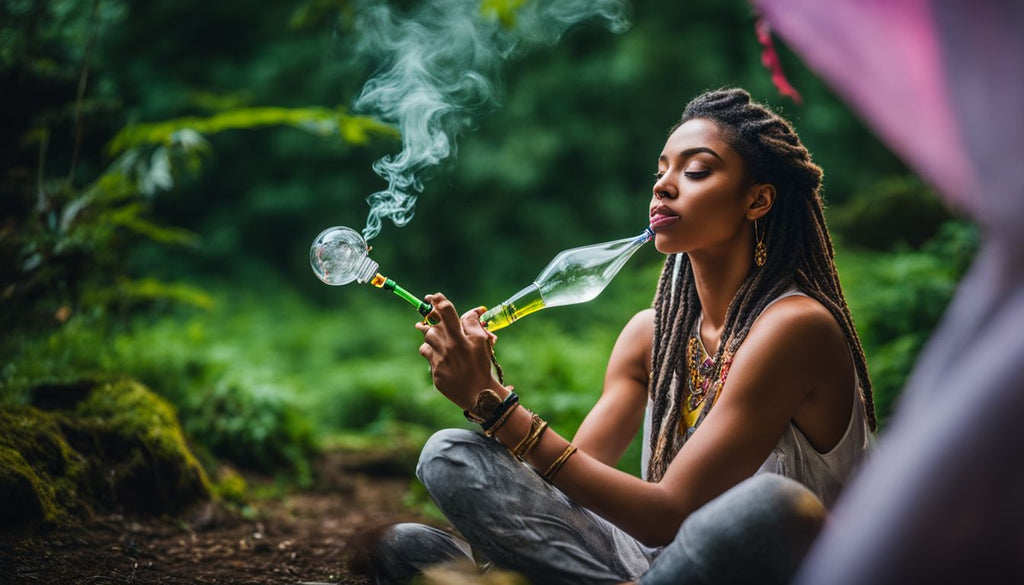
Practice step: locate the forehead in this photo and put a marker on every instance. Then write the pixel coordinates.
(699, 133)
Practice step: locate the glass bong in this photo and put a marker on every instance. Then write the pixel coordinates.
(339, 256)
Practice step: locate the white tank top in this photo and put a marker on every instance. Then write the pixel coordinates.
(793, 456)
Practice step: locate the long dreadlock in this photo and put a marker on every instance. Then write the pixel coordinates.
(800, 254)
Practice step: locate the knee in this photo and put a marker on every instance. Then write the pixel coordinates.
(452, 458)
(788, 503)
(757, 532)
(405, 550)
(408, 540)
(398, 539)
(770, 520)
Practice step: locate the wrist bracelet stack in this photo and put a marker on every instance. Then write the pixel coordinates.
(491, 413)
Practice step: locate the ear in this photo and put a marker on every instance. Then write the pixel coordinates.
(762, 197)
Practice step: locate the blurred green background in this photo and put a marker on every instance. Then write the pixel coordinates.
(166, 165)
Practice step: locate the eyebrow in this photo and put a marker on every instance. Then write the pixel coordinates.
(692, 151)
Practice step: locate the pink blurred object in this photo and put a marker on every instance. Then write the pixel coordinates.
(882, 56)
(942, 83)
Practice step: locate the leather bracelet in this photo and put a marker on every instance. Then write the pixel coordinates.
(505, 407)
(487, 401)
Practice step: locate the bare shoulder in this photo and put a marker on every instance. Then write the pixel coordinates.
(641, 326)
(799, 322)
(632, 351)
(799, 345)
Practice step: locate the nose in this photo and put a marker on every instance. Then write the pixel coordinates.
(661, 191)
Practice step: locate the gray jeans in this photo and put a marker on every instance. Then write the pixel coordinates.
(758, 531)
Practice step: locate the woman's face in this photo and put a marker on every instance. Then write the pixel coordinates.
(701, 195)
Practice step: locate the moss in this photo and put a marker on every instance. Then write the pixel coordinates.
(40, 474)
(140, 460)
(26, 498)
(231, 487)
(109, 445)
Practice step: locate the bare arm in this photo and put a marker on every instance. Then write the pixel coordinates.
(778, 366)
(613, 422)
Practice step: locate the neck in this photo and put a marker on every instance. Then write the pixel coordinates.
(717, 277)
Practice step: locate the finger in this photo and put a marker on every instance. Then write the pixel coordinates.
(433, 317)
(427, 352)
(446, 310)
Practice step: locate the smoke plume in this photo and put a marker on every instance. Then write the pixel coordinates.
(439, 69)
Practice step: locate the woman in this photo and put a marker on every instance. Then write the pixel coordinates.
(747, 376)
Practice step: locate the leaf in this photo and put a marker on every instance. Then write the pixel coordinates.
(317, 120)
(129, 217)
(153, 289)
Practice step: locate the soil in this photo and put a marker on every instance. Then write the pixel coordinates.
(307, 536)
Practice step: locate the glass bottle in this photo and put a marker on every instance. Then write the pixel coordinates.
(573, 276)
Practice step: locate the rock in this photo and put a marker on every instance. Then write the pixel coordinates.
(139, 458)
(40, 474)
(110, 445)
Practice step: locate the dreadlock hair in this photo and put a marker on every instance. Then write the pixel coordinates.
(800, 254)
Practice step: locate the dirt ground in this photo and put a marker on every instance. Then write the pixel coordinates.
(303, 537)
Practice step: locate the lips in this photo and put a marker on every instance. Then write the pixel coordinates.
(661, 216)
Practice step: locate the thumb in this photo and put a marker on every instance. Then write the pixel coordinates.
(471, 321)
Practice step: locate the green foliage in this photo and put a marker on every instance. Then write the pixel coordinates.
(253, 425)
(357, 130)
(230, 406)
(897, 211)
(897, 298)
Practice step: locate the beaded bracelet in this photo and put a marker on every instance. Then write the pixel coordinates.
(537, 428)
(549, 475)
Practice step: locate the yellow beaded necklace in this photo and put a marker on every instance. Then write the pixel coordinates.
(705, 377)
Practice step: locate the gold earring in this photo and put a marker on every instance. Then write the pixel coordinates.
(760, 252)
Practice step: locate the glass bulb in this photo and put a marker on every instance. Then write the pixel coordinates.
(339, 256)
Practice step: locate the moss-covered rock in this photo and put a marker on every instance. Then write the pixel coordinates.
(139, 460)
(110, 445)
(40, 474)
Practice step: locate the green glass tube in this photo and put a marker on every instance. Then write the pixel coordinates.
(381, 281)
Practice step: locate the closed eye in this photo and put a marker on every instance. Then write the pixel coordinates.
(696, 174)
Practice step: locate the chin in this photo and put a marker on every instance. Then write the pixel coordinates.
(665, 245)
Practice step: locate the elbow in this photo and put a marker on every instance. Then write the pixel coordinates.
(667, 518)
(660, 535)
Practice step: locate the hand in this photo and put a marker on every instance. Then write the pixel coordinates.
(459, 352)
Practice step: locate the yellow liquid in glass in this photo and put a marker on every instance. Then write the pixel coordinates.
(526, 301)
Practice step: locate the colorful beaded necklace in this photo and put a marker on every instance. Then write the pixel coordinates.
(705, 377)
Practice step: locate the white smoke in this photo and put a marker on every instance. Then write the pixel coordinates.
(440, 68)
